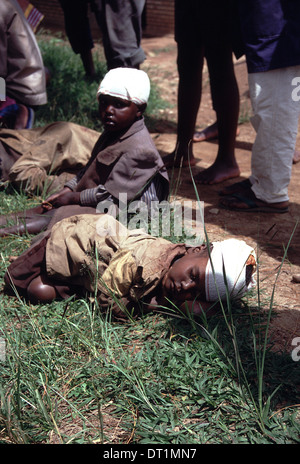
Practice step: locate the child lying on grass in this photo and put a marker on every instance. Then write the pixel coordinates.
(123, 160)
(129, 271)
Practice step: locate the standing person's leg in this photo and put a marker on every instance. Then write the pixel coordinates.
(77, 28)
(224, 91)
(226, 103)
(275, 120)
(190, 57)
(121, 25)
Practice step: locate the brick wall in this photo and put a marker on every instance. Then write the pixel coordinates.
(159, 16)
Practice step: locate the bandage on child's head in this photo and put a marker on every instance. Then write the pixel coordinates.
(126, 83)
(225, 274)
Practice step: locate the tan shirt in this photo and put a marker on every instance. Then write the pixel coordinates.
(103, 256)
(47, 152)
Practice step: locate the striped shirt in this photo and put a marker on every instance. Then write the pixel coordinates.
(91, 197)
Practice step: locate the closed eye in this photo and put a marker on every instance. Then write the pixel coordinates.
(193, 275)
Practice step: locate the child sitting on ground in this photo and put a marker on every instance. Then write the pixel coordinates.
(123, 160)
(129, 271)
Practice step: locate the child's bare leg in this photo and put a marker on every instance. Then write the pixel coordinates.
(32, 221)
(19, 215)
(41, 290)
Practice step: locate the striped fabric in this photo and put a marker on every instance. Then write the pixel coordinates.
(91, 197)
(32, 14)
(34, 17)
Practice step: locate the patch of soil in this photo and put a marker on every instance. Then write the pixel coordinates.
(270, 234)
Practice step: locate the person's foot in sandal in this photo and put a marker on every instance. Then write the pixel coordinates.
(248, 203)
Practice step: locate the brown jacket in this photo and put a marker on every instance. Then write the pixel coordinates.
(21, 63)
(124, 164)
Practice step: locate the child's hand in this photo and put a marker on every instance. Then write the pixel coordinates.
(56, 200)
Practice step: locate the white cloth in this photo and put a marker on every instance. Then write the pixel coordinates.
(126, 83)
(275, 121)
(225, 272)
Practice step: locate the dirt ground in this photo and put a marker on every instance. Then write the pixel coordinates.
(268, 233)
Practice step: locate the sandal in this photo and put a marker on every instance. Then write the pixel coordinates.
(252, 204)
(238, 187)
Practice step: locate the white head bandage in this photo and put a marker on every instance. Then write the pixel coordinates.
(126, 83)
(228, 257)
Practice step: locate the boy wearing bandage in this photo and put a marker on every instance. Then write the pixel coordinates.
(124, 160)
(129, 271)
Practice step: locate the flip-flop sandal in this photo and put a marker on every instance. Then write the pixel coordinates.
(238, 187)
(251, 205)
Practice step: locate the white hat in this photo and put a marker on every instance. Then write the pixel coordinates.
(225, 272)
(126, 83)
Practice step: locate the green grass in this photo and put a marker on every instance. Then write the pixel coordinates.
(71, 375)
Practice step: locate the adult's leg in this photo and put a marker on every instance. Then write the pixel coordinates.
(121, 25)
(275, 120)
(224, 90)
(190, 58)
(78, 30)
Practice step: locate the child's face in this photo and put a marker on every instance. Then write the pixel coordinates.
(117, 114)
(185, 280)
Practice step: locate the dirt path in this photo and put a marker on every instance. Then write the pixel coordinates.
(268, 233)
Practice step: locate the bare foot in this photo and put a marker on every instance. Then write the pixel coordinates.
(296, 157)
(217, 173)
(209, 133)
(173, 160)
